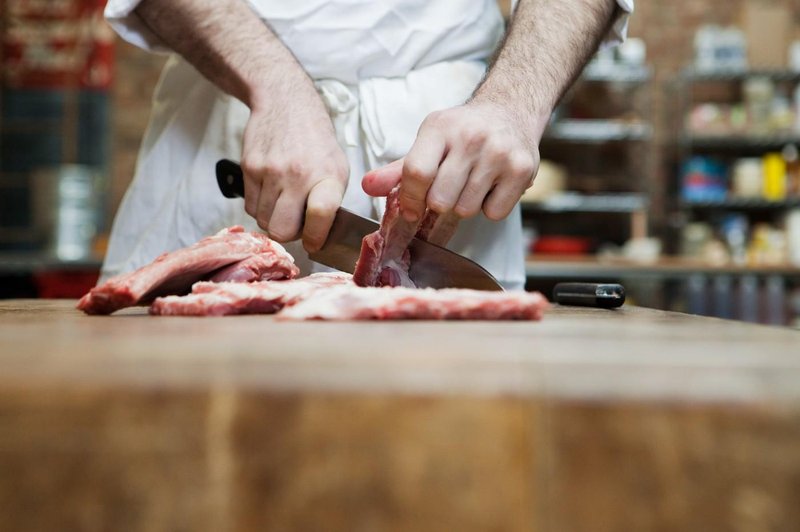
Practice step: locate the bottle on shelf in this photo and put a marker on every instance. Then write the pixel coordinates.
(774, 177)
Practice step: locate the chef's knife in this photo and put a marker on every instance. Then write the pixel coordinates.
(432, 266)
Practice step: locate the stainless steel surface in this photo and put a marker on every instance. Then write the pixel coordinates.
(436, 267)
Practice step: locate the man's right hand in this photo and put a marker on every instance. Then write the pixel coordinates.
(293, 167)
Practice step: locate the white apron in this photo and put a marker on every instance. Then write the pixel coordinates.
(386, 65)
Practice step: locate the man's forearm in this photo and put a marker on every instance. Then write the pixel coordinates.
(228, 43)
(547, 45)
(295, 171)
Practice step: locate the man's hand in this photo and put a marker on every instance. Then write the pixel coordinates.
(294, 168)
(469, 158)
(483, 155)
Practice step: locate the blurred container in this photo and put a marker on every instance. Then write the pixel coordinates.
(748, 178)
(775, 300)
(781, 114)
(793, 236)
(718, 48)
(723, 297)
(562, 245)
(748, 298)
(734, 229)
(759, 93)
(694, 238)
(774, 177)
(632, 52)
(791, 155)
(704, 179)
(794, 56)
(67, 210)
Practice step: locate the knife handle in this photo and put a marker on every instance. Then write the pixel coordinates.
(230, 179)
(589, 294)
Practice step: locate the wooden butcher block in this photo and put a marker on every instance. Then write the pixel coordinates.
(591, 420)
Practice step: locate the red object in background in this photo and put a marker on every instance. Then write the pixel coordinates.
(52, 44)
(562, 245)
(65, 284)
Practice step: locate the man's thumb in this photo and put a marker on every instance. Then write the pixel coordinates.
(381, 181)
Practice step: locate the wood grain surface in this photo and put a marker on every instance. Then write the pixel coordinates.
(589, 420)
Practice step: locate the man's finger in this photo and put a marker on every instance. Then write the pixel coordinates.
(267, 197)
(419, 170)
(323, 200)
(450, 180)
(502, 198)
(381, 181)
(287, 217)
(252, 190)
(473, 194)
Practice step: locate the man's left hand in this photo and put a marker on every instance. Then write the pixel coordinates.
(477, 156)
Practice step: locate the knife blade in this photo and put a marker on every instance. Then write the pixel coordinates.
(432, 266)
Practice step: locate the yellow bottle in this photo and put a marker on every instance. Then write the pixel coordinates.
(774, 177)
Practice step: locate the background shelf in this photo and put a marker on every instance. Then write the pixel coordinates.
(592, 131)
(742, 203)
(611, 203)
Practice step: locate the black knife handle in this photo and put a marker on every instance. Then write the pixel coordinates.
(589, 294)
(230, 179)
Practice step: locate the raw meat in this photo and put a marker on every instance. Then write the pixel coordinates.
(363, 303)
(384, 259)
(266, 297)
(233, 253)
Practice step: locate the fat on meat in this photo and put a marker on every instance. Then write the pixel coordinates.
(264, 297)
(231, 254)
(386, 303)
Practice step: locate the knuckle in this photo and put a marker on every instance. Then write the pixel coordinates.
(473, 137)
(521, 164)
(495, 212)
(321, 208)
(414, 172)
(433, 119)
(495, 150)
(251, 168)
(466, 211)
(297, 168)
(282, 233)
(438, 205)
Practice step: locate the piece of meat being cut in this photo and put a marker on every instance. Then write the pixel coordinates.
(231, 254)
(225, 299)
(385, 258)
(362, 303)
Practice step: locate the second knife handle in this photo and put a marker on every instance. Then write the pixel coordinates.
(589, 294)
(230, 179)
